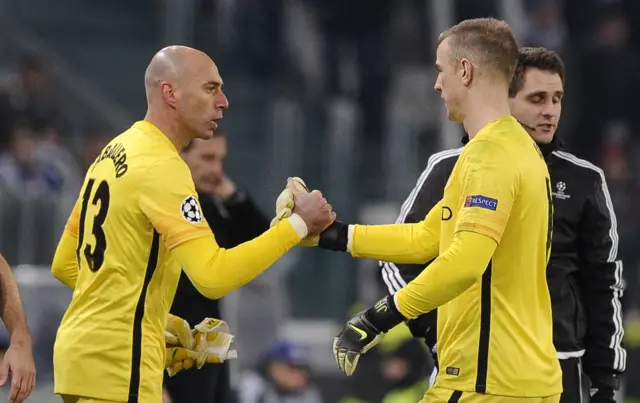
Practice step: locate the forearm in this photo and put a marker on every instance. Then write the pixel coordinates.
(11, 306)
(65, 265)
(603, 340)
(215, 271)
(398, 243)
(452, 273)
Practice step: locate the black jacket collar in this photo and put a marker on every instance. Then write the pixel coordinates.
(555, 145)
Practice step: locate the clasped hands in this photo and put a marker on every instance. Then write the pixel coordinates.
(364, 331)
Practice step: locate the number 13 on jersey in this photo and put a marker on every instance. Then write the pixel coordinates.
(93, 247)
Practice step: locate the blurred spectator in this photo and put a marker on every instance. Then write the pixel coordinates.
(609, 77)
(545, 28)
(32, 94)
(96, 142)
(284, 377)
(52, 153)
(7, 118)
(22, 172)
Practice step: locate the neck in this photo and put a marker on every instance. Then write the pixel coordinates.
(485, 106)
(164, 121)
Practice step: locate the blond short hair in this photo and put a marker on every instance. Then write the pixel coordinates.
(487, 42)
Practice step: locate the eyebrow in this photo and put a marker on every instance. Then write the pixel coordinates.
(542, 93)
(213, 83)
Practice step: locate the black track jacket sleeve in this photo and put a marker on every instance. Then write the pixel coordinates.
(602, 284)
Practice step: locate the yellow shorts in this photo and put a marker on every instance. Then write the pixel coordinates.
(80, 399)
(440, 395)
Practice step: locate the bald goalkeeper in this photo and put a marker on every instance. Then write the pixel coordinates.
(136, 223)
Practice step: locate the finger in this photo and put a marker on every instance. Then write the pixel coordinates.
(27, 387)
(335, 351)
(4, 371)
(292, 186)
(317, 193)
(31, 384)
(16, 383)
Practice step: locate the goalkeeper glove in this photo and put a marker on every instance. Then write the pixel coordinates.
(208, 343)
(213, 342)
(363, 332)
(178, 359)
(178, 333)
(284, 209)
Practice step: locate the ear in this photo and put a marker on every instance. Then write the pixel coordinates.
(168, 93)
(467, 72)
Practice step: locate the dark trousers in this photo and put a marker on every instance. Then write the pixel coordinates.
(210, 384)
(571, 380)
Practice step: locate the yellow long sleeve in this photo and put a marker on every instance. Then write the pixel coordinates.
(215, 271)
(65, 265)
(399, 243)
(454, 271)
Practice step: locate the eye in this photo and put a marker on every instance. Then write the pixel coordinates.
(537, 99)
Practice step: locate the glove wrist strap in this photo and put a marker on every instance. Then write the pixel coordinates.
(384, 315)
(335, 237)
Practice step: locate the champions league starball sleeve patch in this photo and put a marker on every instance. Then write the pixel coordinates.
(190, 210)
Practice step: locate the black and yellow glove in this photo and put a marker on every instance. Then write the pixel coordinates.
(363, 332)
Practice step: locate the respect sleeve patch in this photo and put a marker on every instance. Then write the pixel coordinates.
(482, 202)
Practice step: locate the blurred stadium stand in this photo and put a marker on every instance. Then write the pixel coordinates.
(338, 92)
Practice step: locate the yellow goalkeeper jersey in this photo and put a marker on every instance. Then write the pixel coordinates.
(494, 323)
(110, 343)
(496, 337)
(137, 216)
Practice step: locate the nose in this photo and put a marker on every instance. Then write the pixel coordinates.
(222, 102)
(550, 110)
(437, 87)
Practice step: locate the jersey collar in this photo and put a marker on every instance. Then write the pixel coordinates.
(149, 127)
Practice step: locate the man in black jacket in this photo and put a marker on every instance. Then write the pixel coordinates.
(235, 219)
(584, 275)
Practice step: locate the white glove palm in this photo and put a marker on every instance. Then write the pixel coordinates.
(285, 204)
(213, 342)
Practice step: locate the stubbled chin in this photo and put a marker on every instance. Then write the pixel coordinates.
(543, 137)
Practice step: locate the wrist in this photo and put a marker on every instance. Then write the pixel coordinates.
(299, 225)
(20, 336)
(384, 315)
(604, 380)
(605, 388)
(335, 237)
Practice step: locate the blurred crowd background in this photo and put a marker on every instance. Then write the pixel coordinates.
(339, 92)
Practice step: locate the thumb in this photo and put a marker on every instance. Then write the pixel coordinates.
(292, 186)
(4, 371)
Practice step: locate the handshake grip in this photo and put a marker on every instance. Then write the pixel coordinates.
(323, 229)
